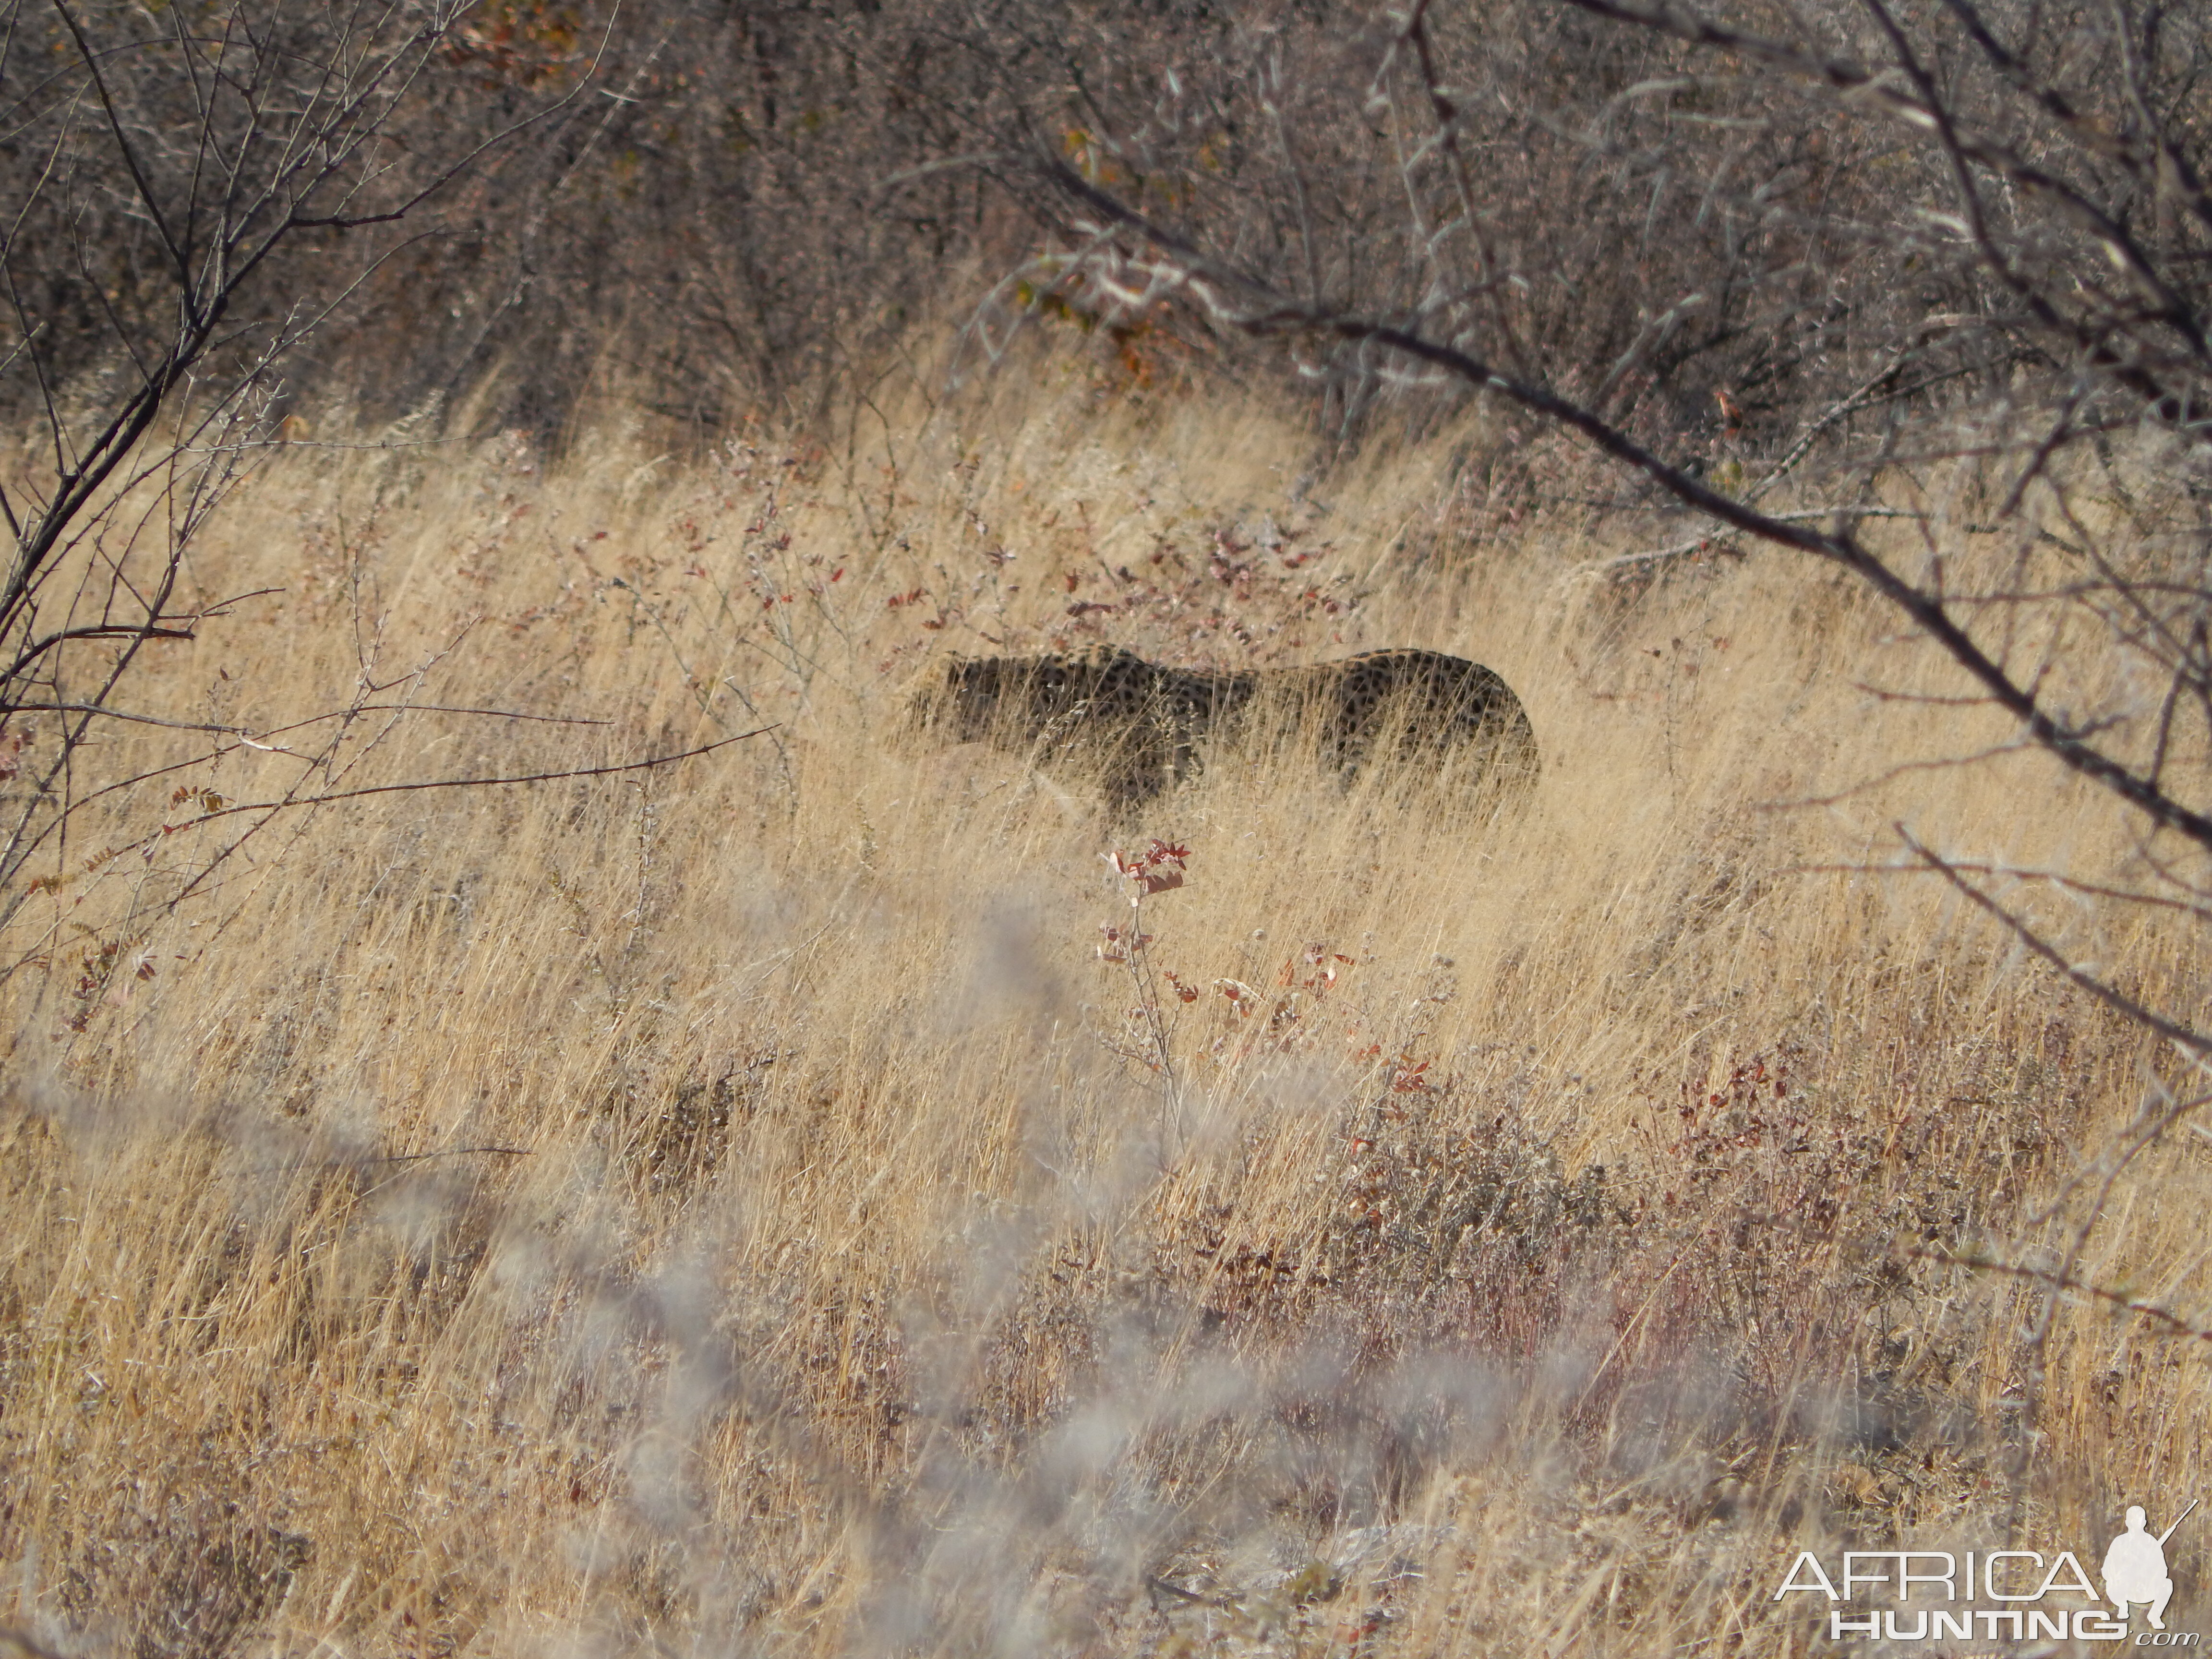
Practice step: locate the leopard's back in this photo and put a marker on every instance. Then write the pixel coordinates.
(1431, 703)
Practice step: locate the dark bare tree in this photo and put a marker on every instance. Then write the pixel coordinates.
(188, 196)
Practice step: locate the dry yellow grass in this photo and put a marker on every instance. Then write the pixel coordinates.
(732, 1207)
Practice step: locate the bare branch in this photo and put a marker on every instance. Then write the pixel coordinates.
(291, 803)
(2150, 1020)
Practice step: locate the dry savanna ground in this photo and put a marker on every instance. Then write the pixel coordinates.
(754, 1205)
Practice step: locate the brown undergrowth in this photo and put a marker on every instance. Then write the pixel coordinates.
(795, 1201)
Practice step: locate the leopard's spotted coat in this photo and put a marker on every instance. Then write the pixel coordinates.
(1140, 723)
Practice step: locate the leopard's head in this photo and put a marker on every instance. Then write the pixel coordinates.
(982, 698)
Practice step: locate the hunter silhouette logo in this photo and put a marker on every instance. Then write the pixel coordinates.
(2035, 1598)
(2134, 1567)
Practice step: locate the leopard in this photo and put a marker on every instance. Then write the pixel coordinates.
(1142, 726)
